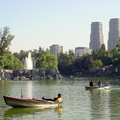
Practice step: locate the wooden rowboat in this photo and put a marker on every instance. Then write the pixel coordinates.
(26, 102)
(97, 87)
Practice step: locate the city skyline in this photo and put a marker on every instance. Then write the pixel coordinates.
(97, 37)
(66, 22)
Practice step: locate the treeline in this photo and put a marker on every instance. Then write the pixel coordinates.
(66, 63)
(89, 63)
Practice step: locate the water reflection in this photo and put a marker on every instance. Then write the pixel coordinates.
(105, 104)
(99, 100)
(115, 104)
(59, 110)
(20, 112)
(30, 89)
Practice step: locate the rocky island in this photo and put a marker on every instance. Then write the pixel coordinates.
(33, 74)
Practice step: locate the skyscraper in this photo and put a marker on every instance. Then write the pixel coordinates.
(96, 36)
(114, 33)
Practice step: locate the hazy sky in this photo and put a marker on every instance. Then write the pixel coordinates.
(45, 22)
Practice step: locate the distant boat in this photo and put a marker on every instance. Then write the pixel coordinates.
(97, 87)
(26, 102)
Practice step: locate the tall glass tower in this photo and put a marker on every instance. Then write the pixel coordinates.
(96, 36)
(114, 33)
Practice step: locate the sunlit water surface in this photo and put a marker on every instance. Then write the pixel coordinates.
(78, 103)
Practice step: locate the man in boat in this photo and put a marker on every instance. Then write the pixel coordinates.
(58, 99)
(91, 83)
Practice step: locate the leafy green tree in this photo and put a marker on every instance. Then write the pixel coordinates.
(66, 63)
(71, 52)
(16, 55)
(21, 55)
(103, 47)
(95, 65)
(83, 63)
(47, 61)
(5, 41)
(36, 54)
(116, 57)
(103, 55)
(8, 61)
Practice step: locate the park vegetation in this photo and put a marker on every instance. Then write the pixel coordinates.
(7, 60)
(66, 62)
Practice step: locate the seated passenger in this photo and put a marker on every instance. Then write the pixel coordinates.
(99, 84)
(58, 99)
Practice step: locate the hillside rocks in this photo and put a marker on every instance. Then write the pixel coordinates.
(106, 71)
(29, 74)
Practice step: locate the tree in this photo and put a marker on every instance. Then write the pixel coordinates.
(47, 61)
(66, 63)
(116, 57)
(21, 55)
(8, 61)
(95, 65)
(71, 52)
(102, 55)
(103, 47)
(82, 63)
(5, 41)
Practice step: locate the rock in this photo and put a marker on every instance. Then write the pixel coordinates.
(29, 74)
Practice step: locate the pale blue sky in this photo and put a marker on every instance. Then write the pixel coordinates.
(45, 22)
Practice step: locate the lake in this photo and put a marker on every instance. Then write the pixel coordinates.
(78, 103)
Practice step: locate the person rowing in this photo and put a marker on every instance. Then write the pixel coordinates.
(91, 83)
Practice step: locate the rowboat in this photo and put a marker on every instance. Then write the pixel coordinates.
(98, 87)
(27, 102)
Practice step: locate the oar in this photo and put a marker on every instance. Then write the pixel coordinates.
(21, 94)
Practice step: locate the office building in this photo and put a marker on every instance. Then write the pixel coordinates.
(80, 51)
(114, 33)
(55, 49)
(96, 36)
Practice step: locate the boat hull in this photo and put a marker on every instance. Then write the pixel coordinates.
(97, 87)
(24, 102)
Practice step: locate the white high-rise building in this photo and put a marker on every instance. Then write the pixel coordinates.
(114, 33)
(80, 51)
(96, 36)
(55, 49)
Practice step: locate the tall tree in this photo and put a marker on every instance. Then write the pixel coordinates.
(5, 41)
(47, 61)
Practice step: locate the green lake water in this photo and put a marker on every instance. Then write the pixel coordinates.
(78, 103)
